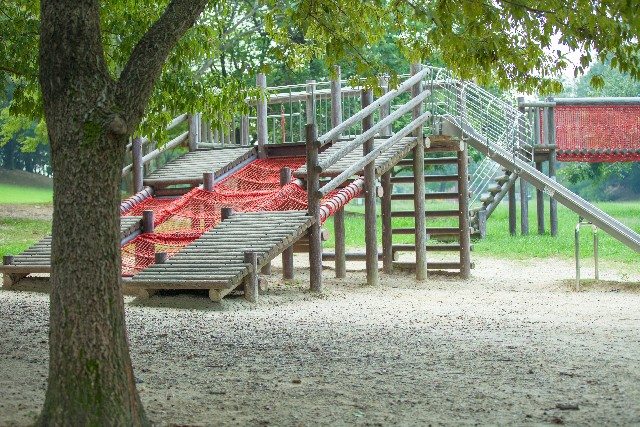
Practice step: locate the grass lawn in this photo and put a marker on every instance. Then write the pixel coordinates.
(17, 234)
(10, 193)
(499, 243)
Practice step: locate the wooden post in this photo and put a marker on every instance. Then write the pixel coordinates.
(512, 210)
(147, 222)
(313, 184)
(244, 130)
(310, 106)
(540, 204)
(207, 181)
(7, 280)
(194, 131)
(524, 190)
(338, 216)
(287, 254)
(553, 204)
(160, 257)
(418, 188)
(463, 212)
(387, 189)
(370, 220)
(482, 222)
(138, 172)
(261, 106)
(225, 213)
(251, 280)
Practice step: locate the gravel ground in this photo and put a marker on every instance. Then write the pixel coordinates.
(514, 345)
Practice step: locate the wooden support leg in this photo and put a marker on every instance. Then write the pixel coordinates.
(463, 199)
(7, 279)
(147, 293)
(287, 263)
(214, 295)
(540, 204)
(313, 185)
(387, 234)
(512, 210)
(266, 269)
(251, 281)
(524, 207)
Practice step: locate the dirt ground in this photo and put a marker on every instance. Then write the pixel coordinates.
(514, 345)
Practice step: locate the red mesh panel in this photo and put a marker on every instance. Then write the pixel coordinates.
(255, 187)
(598, 133)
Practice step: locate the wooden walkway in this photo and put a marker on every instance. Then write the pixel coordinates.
(188, 168)
(215, 261)
(385, 161)
(37, 258)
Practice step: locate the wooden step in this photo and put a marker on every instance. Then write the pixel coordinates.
(430, 248)
(428, 214)
(494, 188)
(444, 146)
(487, 198)
(409, 265)
(427, 196)
(431, 161)
(432, 231)
(427, 178)
(501, 179)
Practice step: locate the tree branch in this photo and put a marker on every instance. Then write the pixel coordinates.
(145, 64)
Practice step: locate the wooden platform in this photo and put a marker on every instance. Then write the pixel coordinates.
(37, 258)
(188, 168)
(215, 260)
(385, 161)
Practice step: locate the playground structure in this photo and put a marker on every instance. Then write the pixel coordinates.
(214, 217)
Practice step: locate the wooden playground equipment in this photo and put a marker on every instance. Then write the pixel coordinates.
(214, 217)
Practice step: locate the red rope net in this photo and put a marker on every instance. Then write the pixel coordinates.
(256, 187)
(598, 133)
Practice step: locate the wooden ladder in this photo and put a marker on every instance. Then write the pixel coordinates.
(443, 241)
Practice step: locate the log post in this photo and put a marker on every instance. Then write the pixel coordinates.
(553, 204)
(251, 280)
(225, 213)
(138, 171)
(313, 184)
(310, 106)
(524, 188)
(387, 189)
(7, 280)
(463, 212)
(370, 220)
(512, 210)
(482, 222)
(194, 131)
(244, 130)
(261, 106)
(287, 254)
(207, 181)
(418, 188)
(540, 203)
(338, 216)
(147, 222)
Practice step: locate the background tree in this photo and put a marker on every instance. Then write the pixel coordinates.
(94, 69)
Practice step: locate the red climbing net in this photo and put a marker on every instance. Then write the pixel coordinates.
(256, 187)
(598, 133)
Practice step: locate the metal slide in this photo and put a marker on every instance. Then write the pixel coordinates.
(560, 193)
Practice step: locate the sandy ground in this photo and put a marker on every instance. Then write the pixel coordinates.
(26, 211)
(515, 345)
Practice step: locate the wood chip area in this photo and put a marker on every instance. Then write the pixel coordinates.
(188, 168)
(216, 259)
(37, 258)
(384, 162)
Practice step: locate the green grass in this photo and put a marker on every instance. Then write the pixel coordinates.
(10, 193)
(500, 244)
(18, 234)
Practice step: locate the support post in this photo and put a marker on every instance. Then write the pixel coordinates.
(225, 213)
(463, 213)
(138, 170)
(207, 181)
(147, 222)
(7, 280)
(540, 203)
(261, 106)
(512, 210)
(313, 184)
(482, 222)
(251, 280)
(387, 189)
(338, 216)
(194, 131)
(287, 254)
(553, 204)
(244, 130)
(524, 187)
(418, 188)
(310, 107)
(370, 220)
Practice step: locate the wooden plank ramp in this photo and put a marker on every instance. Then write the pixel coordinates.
(385, 161)
(37, 258)
(188, 168)
(215, 261)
